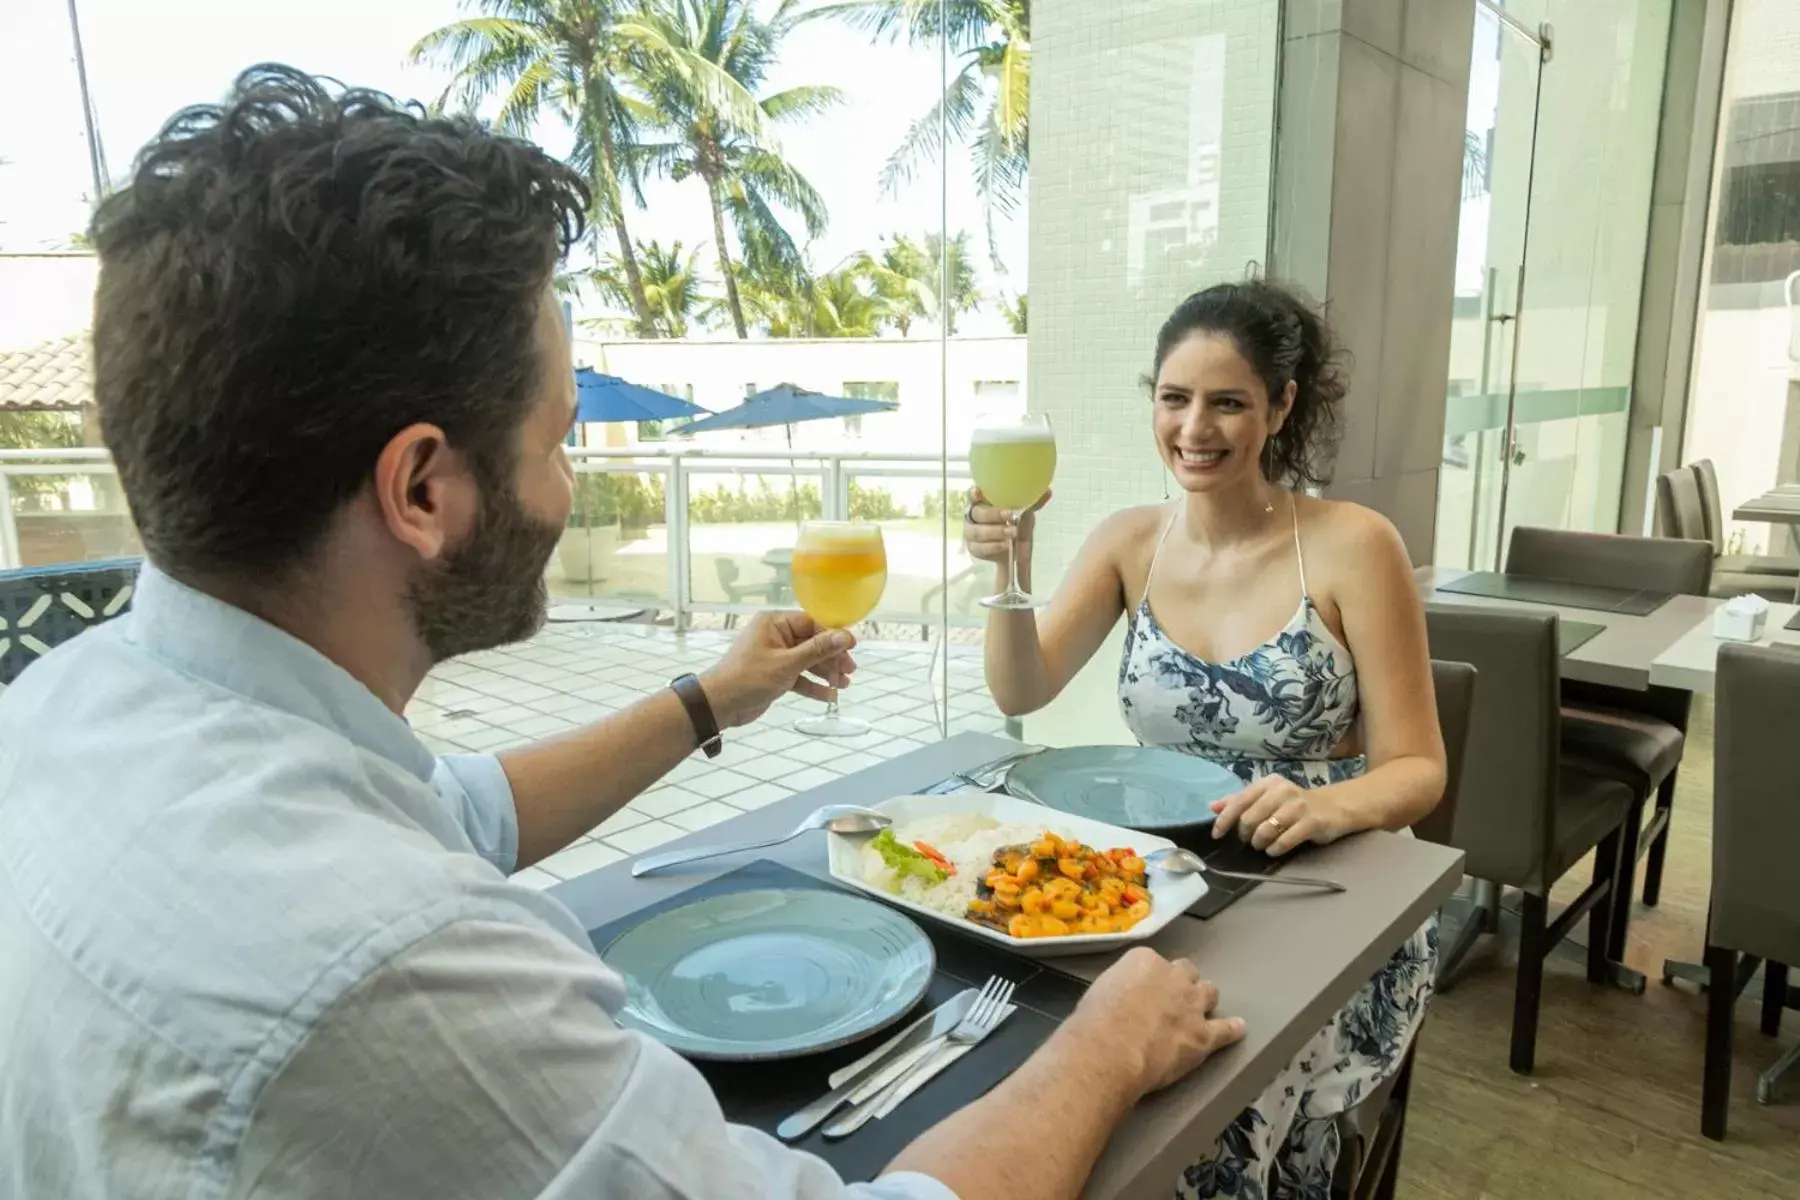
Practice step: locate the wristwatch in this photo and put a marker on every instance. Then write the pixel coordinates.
(706, 726)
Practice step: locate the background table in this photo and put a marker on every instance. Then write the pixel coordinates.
(1690, 661)
(1619, 657)
(1283, 960)
(1780, 506)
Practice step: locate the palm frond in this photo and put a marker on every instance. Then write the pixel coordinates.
(779, 180)
(920, 22)
(798, 102)
(923, 142)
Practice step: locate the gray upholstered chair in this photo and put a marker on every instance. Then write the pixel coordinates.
(1681, 512)
(1523, 815)
(1371, 1130)
(1635, 737)
(1756, 839)
(1707, 476)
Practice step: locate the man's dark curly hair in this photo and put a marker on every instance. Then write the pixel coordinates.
(291, 278)
(1283, 337)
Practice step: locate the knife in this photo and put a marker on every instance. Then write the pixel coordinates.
(929, 1028)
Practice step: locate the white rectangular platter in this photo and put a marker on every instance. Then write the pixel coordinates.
(1170, 895)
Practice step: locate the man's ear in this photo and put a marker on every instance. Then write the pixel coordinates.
(424, 490)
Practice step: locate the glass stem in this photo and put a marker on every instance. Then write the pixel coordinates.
(1012, 555)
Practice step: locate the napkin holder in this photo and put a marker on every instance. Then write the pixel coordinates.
(1741, 619)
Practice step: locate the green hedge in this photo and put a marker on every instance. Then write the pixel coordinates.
(601, 498)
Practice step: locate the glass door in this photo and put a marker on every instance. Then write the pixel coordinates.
(1499, 157)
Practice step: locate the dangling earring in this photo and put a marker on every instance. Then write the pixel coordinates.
(1269, 473)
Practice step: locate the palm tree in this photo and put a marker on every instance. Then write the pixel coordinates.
(731, 147)
(1017, 313)
(841, 302)
(672, 283)
(568, 58)
(909, 274)
(992, 38)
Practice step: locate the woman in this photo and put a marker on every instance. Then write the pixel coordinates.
(1274, 633)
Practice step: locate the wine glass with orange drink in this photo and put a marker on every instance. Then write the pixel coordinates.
(840, 571)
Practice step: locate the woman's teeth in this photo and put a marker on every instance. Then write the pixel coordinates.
(1200, 458)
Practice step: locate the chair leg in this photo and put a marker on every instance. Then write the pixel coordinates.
(1775, 990)
(1534, 916)
(1653, 866)
(1715, 1091)
(1618, 905)
(1600, 919)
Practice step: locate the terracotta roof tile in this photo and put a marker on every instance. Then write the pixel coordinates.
(57, 374)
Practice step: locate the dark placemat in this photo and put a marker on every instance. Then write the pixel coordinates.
(761, 1095)
(1563, 593)
(1573, 635)
(1793, 622)
(1229, 853)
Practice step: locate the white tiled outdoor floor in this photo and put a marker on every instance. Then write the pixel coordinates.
(572, 674)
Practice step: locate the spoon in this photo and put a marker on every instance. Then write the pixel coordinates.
(833, 818)
(1177, 861)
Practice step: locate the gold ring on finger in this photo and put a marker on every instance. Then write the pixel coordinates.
(1275, 824)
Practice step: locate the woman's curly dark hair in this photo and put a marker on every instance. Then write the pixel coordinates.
(1282, 335)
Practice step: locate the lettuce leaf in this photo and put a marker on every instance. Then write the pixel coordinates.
(904, 860)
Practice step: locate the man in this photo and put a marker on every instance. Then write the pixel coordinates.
(256, 941)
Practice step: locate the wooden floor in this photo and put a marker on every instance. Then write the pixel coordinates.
(1613, 1108)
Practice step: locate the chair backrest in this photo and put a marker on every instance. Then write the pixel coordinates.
(1454, 685)
(42, 607)
(1678, 502)
(728, 572)
(1506, 797)
(1706, 476)
(1612, 559)
(1756, 820)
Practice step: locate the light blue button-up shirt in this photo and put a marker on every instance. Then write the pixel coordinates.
(256, 941)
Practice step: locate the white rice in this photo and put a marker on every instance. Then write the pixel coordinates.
(967, 840)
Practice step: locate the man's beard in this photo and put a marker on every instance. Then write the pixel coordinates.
(489, 589)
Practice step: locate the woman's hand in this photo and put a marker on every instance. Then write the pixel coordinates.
(985, 531)
(1275, 814)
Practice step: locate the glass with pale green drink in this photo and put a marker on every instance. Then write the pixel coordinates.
(1013, 461)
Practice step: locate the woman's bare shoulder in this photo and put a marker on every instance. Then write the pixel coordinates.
(1343, 535)
(1130, 532)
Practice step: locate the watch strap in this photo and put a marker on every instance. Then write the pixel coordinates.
(700, 712)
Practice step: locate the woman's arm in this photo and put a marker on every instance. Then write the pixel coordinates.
(1384, 628)
(1030, 660)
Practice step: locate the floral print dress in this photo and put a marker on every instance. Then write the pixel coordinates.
(1280, 709)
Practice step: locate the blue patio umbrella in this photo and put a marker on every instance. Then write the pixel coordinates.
(607, 398)
(786, 404)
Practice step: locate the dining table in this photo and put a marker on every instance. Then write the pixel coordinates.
(1690, 661)
(1622, 654)
(1283, 959)
(1778, 506)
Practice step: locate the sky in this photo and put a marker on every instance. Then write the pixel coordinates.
(147, 60)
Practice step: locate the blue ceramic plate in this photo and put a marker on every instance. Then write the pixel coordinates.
(1137, 787)
(770, 974)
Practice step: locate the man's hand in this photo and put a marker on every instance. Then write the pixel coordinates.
(774, 654)
(1152, 1017)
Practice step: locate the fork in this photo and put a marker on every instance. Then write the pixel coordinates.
(991, 1007)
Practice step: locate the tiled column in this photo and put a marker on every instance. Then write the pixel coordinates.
(1367, 191)
(1151, 129)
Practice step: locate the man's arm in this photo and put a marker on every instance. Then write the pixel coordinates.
(563, 787)
(479, 1062)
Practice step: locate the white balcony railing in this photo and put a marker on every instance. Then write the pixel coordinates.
(678, 529)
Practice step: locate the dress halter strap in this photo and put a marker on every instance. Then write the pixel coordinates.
(1299, 555)
(1174, 511)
